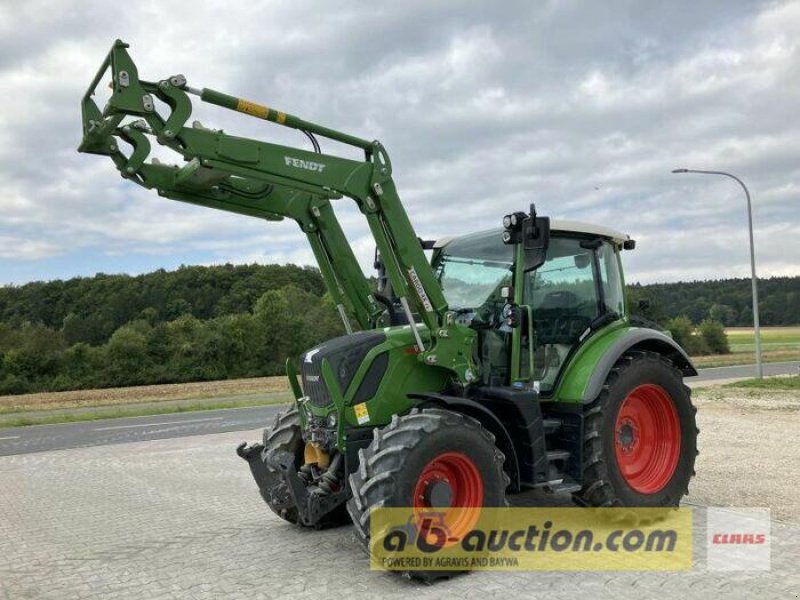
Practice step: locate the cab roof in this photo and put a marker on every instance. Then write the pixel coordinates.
(564, 226)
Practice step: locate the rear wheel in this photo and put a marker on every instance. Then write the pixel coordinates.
(429, 459)
(640, 439)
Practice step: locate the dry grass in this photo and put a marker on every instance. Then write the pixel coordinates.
(743, 358)
(765, 331)
(144, 393)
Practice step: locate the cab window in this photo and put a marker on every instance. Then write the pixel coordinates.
(565, 299)
(611, 278)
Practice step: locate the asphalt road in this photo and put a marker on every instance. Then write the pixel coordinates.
(43, 438)
(745, 371)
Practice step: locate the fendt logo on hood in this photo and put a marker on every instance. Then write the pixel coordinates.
(308, 165)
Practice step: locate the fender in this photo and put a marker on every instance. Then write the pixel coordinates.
(584, 378)
(487, 418)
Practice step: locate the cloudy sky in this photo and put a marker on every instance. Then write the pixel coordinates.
(582, 107)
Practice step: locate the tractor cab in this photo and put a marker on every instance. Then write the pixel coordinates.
(577, 289)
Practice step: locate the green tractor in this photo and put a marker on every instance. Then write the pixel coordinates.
(504, 361)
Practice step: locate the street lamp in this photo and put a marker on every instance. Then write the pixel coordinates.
(756, 326)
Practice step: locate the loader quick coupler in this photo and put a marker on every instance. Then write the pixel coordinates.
(313, 503)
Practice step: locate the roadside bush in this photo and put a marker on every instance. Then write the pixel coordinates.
(713, 333)
(683, 332)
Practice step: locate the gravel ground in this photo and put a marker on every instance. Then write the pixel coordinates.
(748, 454)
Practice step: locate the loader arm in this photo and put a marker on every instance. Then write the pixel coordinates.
(272, 182)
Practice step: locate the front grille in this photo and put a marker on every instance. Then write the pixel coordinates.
(314, 386)
(345, 355)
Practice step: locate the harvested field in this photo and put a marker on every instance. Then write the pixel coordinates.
(144, 393)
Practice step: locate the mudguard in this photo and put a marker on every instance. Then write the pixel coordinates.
(637, 339)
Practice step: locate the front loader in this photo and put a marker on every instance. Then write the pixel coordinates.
(504, 362)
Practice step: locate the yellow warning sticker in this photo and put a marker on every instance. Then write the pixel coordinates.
(252, 108)
(362, 414)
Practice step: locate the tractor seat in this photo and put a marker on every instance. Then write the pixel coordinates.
(558, 319)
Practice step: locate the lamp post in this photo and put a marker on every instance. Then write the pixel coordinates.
(756, 325)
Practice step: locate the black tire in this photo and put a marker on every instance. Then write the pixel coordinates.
(391, 465)
(285, 434)
(603, 483)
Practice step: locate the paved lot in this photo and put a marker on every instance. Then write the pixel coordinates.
(180, 518)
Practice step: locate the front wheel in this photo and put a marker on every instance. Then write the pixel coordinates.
(285, 435)
(429, 459)
(640, 439)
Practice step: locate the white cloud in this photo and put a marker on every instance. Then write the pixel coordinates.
(582, 108)
(17, 248)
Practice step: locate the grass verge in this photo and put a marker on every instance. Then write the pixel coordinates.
(49, 418)
(770, 383)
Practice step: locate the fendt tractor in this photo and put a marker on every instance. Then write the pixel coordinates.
(505, 361)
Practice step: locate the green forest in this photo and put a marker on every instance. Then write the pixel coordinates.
(728, 301)
(192, 324)
(220, 322)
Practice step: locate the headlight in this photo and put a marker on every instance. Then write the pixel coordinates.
(507, 221)
(331, 420)
(506, 237)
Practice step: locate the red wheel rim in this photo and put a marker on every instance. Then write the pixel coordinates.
(455, 478)
(647, 439)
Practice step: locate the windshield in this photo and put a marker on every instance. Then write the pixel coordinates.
(472, 269)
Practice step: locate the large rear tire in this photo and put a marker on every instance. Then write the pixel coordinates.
(411, 459)
(640, 436)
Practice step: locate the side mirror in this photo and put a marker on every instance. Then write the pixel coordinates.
(532, 232)
(535, 240)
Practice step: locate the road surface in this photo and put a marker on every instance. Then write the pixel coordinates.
(41, 438)
(791, 367)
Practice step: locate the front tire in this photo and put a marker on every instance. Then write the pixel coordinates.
(286, 435)
(428, 458)
(640, 439)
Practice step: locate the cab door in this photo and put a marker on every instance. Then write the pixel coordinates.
(579, 282)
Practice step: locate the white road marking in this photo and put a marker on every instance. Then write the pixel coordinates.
(13, 437)
(157, 424)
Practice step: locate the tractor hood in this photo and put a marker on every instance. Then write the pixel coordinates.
(344, 354)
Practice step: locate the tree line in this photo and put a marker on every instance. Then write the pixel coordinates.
(207, 323)
(193, 324)
(728, 301)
